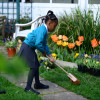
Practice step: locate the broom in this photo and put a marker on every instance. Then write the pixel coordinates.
(72, 78)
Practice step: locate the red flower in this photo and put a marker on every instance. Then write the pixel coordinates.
(81, 38)
(94, 43)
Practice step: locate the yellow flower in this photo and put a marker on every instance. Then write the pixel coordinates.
(59, 42)
(76, 55)
(19, 45)
(86, 55)
(64, 44)
(48, 68)
(60, 37)
(54, 55)
(19, 41)
(97, 62)
(86, 61)
(46, 63)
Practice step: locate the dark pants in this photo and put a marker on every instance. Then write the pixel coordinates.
(30, 57)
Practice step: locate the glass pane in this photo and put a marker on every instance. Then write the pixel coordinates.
(76, 1)
(41, 1)
(61, 1)
(94, 1)
(65, 1)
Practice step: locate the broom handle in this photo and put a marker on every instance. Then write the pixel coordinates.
(59, 66)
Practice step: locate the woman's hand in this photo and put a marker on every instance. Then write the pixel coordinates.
(51, 58)
(44, 53)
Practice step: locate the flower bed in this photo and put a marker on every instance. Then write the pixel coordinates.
(77, 39)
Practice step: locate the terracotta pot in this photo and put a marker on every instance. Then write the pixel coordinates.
(11, 52)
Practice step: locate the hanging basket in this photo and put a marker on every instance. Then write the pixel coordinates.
(11, 52)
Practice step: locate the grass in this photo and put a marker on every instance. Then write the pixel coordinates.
(15, 93)
(89, 86)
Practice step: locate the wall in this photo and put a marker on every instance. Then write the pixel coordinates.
(39, 9)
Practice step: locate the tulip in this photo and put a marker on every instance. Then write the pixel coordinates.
(71, 45)
(59, 42)
(54, 55)
(94, 43)
(81, 38)
(64, 38)
(53, 36)
(64, 44)
(60, 37)
(78, 43)
(99, 42)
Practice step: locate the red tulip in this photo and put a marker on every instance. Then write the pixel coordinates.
(81, 38)
(94, 43)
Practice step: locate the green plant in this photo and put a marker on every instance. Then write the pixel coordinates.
(11, 44)
(80, 24)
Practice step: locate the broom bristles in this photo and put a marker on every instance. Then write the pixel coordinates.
(73, 79)
(76, 82)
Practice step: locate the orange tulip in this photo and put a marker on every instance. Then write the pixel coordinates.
(78, 43)
(65, 38)
(55, 39)
(71, 45)
(99, 42)
(94, 43)
(53, 36)
(81, 38)
(59, 42)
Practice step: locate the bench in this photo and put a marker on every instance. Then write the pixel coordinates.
(23, 33)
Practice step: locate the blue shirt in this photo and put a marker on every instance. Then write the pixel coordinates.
(37, 39)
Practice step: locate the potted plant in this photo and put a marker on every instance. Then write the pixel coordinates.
(11, 47)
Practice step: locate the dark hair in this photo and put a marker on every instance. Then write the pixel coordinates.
(50, 16)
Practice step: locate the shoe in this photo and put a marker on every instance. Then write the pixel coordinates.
(32, 90)
(41, 86)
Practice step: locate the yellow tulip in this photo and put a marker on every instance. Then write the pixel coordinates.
(64, 44)
(59, 42)
(54, 55)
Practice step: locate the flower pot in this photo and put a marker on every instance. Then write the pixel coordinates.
(82, 68)
(11, 52)
(96, 72)
(91, 70)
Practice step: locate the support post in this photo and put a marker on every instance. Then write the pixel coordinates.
(83, 5)
(18, 10)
